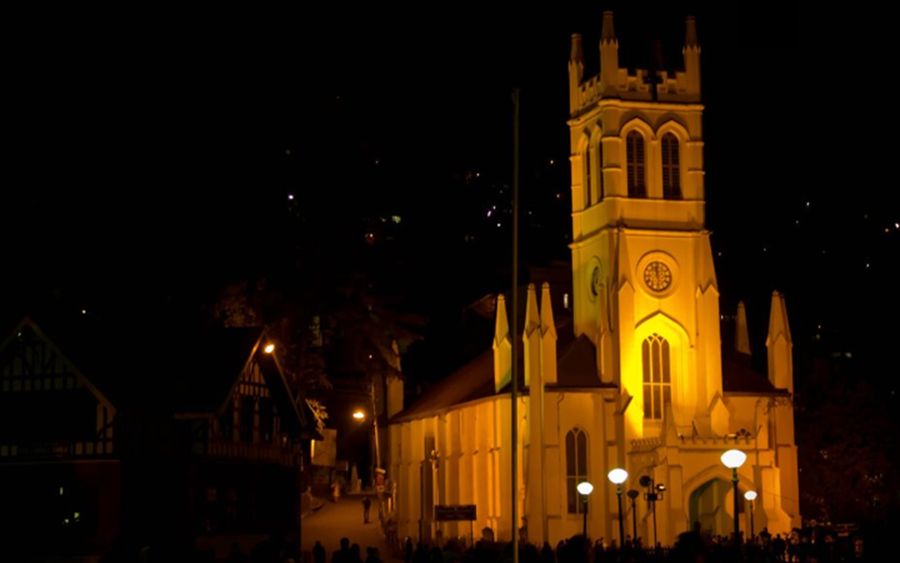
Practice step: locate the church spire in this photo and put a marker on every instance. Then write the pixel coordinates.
(691, 53)
(548, 336)
(609, 57)
(608, 34)
(690, 35)
(779, 343)
(532, 316)
(531, 339)
(741, 332)
(502, 347)
(576, 73)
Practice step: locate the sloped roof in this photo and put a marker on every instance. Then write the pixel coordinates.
(576, 368)
(207, 365)
(738, 376)
(168, 372)
(577, 364)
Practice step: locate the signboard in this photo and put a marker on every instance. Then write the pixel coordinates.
(454, 512)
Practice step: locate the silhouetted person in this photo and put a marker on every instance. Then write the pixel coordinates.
(408, 550)
(367, 504)
(372, 555)
(318, 553)
(547, 554)
(236, 555)
(690, 548)
(343, 554)
(355, 554)
(421, 554)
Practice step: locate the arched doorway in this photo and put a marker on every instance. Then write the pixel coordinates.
(712, 506)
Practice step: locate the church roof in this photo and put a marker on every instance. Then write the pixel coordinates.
(738, 376)
(576, 368)
(577, 365)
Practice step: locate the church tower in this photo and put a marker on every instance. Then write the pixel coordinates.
(644, 282)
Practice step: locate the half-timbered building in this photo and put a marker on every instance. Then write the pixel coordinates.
(182, 442)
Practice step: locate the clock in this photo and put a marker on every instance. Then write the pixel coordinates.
(657, 276)
(595, 281)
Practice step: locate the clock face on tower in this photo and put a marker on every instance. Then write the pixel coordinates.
(657, 276)
(595, 282)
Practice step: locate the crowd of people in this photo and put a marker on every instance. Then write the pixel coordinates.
(801, 546)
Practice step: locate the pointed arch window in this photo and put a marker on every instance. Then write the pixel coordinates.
(587, 176)
(599, 173)
(576, 468)
(637, 169)
(657, 376)
(671, 167)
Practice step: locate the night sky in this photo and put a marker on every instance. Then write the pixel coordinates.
(151, 158)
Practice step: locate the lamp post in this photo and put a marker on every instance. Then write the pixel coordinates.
(584, 489)
(655, 493)
(617, 477)
(733, 459)
(633, 494)
(751, 496)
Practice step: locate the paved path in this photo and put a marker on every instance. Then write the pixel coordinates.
(344, 520)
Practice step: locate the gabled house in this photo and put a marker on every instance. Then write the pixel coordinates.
(182, 442)
(60, 468)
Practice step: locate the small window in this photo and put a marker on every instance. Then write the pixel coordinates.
(637, 170)
(248, 405)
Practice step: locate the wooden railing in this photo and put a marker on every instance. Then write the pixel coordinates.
(286, 456)
(57, 450)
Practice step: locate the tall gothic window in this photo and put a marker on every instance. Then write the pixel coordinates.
(637, 170)
(671, 167)
(587, 176)
(576, 468)
(599, 173)
(657, 376)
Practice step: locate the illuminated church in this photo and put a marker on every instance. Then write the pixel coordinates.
(634, 377)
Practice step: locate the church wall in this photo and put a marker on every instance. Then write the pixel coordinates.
(743, 411)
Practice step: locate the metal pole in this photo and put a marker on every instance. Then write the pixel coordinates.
(375, 428)
(752, 533)
(621, 523)
(655, 540)
(584, 511)
(737, 522)
(515, 326)
(633, 520)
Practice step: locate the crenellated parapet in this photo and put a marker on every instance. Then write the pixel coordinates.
(641, 85)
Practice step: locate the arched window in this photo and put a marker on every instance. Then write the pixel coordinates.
(576, 468)
(637, 170)
(599, 173)
(587, 176)
(657, 376)
(671, 167)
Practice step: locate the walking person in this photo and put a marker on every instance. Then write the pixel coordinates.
(366, 505)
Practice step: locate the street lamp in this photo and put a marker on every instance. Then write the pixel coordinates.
(617, 477)
(359, 415)
(655, 493)
(751, 496)
(733, 459)
(633, 494)
(585, 488)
